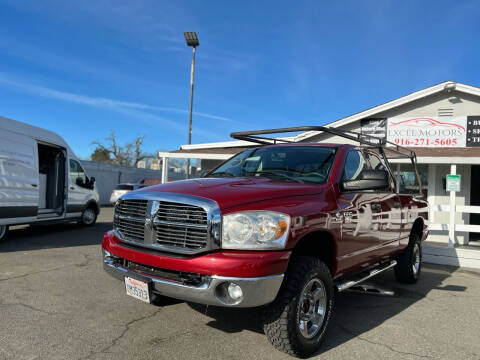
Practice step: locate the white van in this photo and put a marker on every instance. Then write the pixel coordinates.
(41, 180)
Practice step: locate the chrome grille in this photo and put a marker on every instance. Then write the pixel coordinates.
(181, 226)
(129, 219)
(169, 222)
(135, 208)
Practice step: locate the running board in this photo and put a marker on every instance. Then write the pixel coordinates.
(373, 272)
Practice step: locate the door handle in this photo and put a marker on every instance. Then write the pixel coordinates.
(34, 185)
(72, 188)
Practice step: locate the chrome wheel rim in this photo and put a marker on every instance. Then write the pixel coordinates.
(88, 216)
(3, 230)
(416, 259)
(311, 308)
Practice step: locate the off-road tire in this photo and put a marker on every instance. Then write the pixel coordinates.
(87, 220)
(281, 317)
(3, 233)
(405, 270)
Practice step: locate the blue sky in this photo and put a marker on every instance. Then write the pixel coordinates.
(83, 68)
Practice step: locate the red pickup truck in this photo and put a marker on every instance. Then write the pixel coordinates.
(283, 225)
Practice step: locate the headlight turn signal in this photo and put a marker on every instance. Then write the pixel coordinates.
(255, 230)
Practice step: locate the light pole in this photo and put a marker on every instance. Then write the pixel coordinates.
(192, 40)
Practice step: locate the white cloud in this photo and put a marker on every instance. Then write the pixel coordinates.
(104, 103)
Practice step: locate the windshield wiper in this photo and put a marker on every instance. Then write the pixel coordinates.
(264, 172)
(221, 173)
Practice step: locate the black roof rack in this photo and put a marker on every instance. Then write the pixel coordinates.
(363, 139)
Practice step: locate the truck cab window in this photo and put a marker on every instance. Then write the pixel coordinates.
(408, 181)
(354, 165)
(375, 162)
(303, 164)
(77, 174)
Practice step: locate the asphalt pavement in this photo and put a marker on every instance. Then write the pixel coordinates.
(56, 302)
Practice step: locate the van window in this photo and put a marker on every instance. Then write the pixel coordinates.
(77, 174)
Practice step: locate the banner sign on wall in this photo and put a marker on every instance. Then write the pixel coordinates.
(473, 131)
(428, 131)
(374, 127)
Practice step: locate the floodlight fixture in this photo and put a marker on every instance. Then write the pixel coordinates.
(191, 38)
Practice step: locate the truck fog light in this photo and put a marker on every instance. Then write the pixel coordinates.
(235, 291)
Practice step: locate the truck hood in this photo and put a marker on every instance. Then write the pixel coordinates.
(229, 192)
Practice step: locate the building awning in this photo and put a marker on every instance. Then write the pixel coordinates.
(445, 156)
(447, 152)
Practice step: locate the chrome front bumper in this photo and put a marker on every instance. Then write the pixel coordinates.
(256, 291)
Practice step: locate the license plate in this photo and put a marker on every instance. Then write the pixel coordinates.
(137, 289)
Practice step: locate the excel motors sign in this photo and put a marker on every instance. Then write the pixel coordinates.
(427, 131)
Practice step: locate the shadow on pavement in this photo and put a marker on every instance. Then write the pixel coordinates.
(354, 313)
(53, 236)
(232, 320)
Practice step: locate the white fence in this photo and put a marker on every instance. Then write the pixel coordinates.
(466, 209)
(452, 227)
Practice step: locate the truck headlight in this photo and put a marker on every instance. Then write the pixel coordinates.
(255, 230)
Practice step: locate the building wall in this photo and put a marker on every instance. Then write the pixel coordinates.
(209, 164)
(461, 103)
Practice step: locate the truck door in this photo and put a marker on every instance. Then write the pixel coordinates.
(412, 203)
(359, 212)
(390, 211)
(19, 195)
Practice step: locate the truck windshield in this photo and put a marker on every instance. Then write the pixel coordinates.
(303, 164)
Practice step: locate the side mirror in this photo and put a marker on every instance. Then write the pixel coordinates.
(203, 173)
(79, 181)
(92, 182)
(368, 180)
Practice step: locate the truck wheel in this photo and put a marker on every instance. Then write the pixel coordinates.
(3, 232)
(409, 264)
(89, 217)
(296, 322)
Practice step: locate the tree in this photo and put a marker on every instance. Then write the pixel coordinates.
(101, 155)
(135, 150)
(127, 155)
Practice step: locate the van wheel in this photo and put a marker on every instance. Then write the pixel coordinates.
(3, 232)
(409, 264)
(89, 217)
(296, 322)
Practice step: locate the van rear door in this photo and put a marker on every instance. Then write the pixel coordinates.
(19, 182)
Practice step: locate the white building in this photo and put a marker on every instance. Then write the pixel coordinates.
(442, 124)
